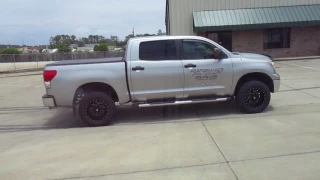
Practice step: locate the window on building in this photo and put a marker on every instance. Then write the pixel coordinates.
(158, 50)
(276, 38)
(197, 50)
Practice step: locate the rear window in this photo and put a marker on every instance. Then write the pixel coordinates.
(158, 50)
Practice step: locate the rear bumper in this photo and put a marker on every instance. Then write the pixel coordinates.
(49, 101)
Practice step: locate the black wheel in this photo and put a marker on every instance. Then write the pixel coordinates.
(253, 97)
(96, 109)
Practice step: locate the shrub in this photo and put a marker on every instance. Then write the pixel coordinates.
(101, 47)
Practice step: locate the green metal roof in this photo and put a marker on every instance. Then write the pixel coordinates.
(257, 18)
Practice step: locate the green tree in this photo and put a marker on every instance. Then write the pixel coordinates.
(160, 32)
(110, 42)
(101, 47)
(57, 39)
(63, 38)
(81, 43)
(96, 39)
(73, 39)
(101, 39)
(114, 38)
(121, 43)
(128, 37)
(90, 37)
(63, 47)
(9, 51)
(85, 40)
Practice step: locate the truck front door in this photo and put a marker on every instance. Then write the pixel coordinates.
(204, 75)
(156, 71)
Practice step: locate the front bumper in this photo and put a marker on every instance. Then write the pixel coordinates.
(49, 101)
(276, 82)
(276, 85)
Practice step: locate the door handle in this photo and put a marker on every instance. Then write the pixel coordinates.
(190, 66)
(138, 68)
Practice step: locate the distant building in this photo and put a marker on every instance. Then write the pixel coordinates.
(35, 51)
(90, 48)
(73, 46)
(49, 51)
(28, 48)
(277, 28)
(111, 48)
(114, 48)
(117, 49)
(87, 47)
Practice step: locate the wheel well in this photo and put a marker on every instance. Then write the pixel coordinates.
(256, 77)
(96, 86)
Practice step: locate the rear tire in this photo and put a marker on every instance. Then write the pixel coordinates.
(253, 97)
(96, 109)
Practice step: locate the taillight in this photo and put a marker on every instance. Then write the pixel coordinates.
(48, 75)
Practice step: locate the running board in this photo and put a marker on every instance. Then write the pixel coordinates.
(175, 103)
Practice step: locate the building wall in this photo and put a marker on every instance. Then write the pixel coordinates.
(180, 13)
(304, 41)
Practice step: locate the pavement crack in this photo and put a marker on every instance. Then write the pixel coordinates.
(235, 175)
(135, 172)
(305, 67)
(300, 90)
(277, 156)
(318, 87)
(290, 79)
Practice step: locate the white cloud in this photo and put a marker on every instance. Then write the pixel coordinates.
(40, 19)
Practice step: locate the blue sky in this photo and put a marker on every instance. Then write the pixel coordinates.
(35, 21)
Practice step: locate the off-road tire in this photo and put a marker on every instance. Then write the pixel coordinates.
(253, 97)
(96, 109)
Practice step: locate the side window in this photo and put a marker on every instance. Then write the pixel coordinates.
(197, 50)
(158, 50)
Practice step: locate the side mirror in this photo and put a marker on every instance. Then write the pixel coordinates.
(217, 53)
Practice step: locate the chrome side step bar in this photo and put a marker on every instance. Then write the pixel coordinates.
(175, 103)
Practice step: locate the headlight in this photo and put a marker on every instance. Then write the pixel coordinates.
(272, 64)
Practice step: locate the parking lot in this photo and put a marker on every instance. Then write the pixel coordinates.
(204, 141)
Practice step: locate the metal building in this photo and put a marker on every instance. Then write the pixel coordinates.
(280, 28)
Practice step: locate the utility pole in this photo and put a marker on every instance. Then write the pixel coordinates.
(133, 31)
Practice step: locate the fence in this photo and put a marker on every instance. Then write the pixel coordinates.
(18, 62)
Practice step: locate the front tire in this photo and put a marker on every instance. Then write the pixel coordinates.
(96, 109)
(253, 97)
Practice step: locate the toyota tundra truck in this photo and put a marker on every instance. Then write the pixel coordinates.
(161, 71)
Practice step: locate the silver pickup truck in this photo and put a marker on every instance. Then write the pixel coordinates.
(161, 71)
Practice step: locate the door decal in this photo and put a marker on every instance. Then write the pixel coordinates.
(206, 74)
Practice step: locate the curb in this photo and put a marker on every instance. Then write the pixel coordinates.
(298, 58)
(20, 73)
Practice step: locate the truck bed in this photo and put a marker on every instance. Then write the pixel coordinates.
(87, 61)
(72, 75)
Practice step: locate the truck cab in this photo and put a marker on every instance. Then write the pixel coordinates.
(172, 68)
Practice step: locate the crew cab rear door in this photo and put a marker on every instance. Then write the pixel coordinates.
(204, 75)
(156, 71)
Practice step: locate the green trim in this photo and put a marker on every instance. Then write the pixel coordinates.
(257, 18)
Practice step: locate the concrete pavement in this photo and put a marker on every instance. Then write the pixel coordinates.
(205, 141)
